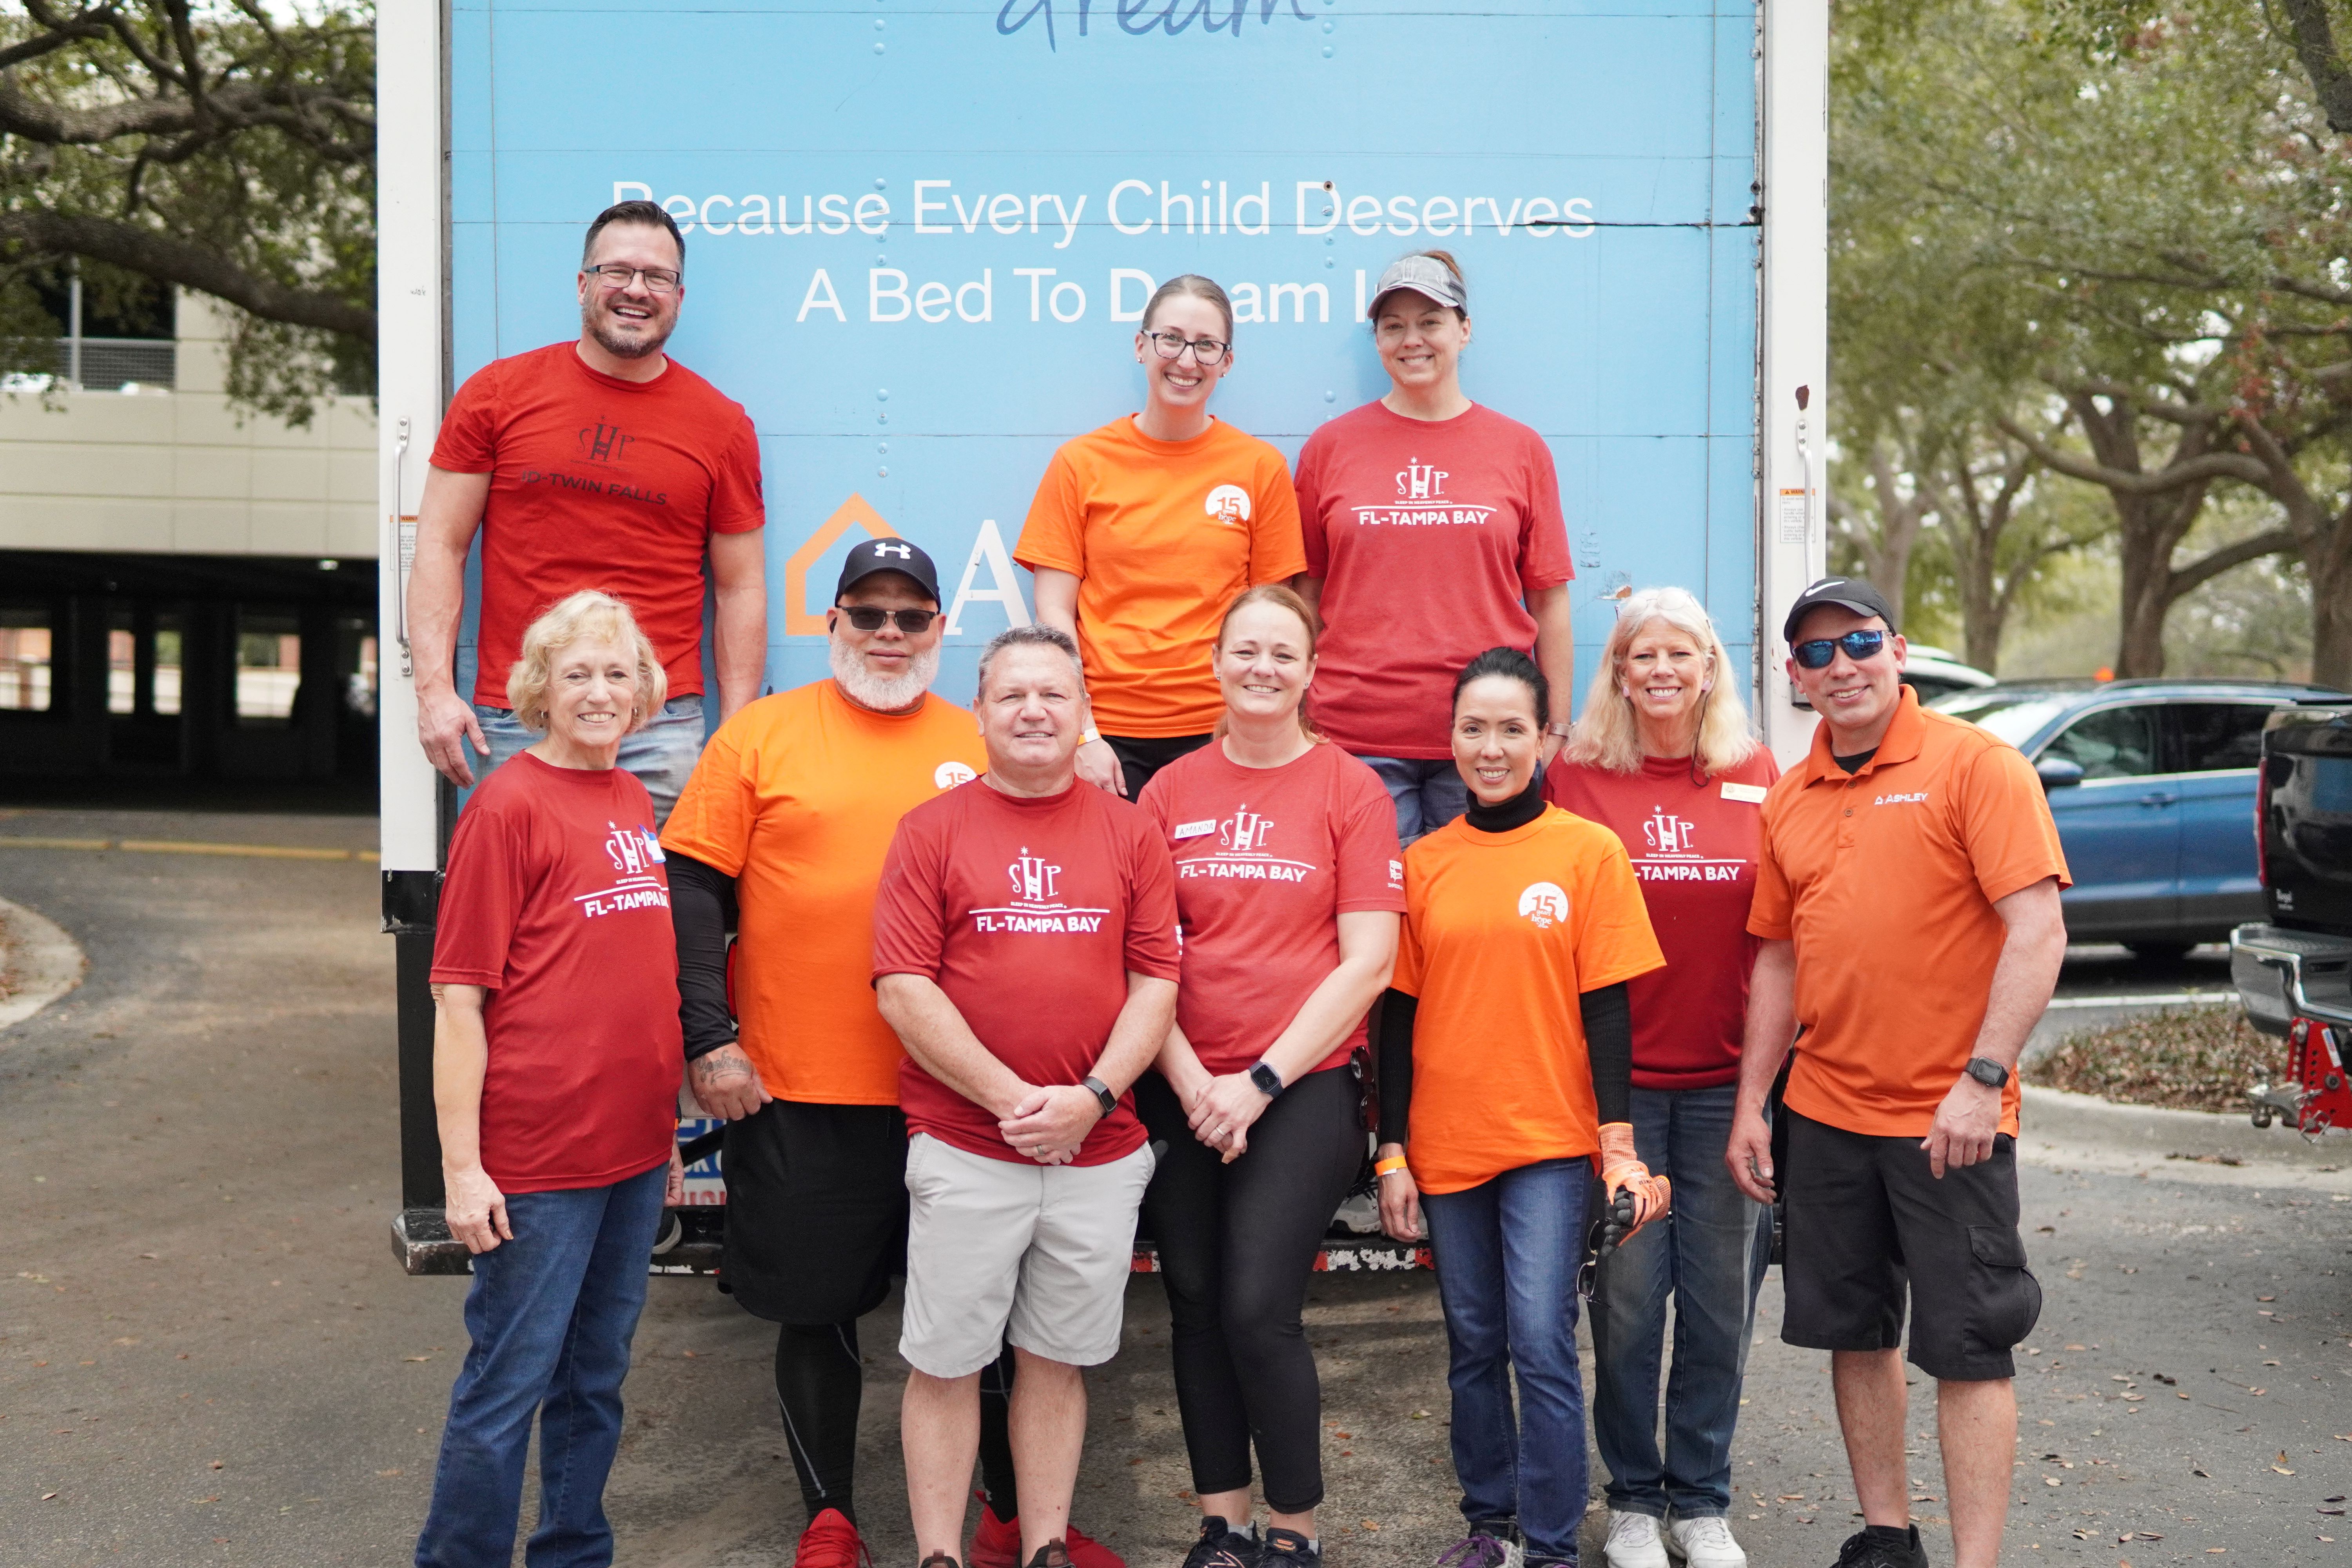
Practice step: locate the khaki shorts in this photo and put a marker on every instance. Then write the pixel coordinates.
(1042, 1252)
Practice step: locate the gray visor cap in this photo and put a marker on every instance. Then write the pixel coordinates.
(1423, 275)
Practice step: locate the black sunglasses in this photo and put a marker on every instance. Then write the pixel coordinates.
(1858, 645)
(869, 618)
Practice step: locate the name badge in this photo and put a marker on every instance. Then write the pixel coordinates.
(1752, 793)
(1194, 830)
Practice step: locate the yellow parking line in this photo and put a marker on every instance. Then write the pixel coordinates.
(181, 847)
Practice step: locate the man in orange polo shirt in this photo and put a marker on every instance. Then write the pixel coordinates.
(1906, 894)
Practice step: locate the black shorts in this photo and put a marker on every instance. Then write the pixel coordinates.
(1864, 1213)
(1138, 760)
(817, 1210)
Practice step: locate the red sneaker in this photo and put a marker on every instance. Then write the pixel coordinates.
(832, 1541)
(997, 1544)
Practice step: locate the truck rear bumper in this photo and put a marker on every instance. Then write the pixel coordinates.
(2283, 975)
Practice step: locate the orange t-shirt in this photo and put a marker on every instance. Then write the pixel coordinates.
(1161, 535)
(1502, 931)
(797, 797)
(1885, 881)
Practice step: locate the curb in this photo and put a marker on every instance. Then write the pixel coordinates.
(2064, 1129)
(44, 962)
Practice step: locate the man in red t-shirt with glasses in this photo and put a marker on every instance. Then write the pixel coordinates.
(600, 463)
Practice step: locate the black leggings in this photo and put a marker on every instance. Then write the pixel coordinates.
(1236, 1245)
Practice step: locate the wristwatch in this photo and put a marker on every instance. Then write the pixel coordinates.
(1269, 1082)
(1988, 1072)
(1101, 1091)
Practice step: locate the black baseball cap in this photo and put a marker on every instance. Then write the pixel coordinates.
(1848, 593)
(898, 555)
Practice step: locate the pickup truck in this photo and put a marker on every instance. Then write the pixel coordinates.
(2293, 971)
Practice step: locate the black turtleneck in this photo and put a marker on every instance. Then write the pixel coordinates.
(1515, 812)
(1608, 1018)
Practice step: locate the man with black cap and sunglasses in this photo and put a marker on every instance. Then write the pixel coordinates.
(781, 833)
(1906, 893)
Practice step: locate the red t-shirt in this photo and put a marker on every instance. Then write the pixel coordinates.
(1266, 861)
(557, 902)
(597, 482)
(1029, 913)
(1428, 536)
(1694, 848)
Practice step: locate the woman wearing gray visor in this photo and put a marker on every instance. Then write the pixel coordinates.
(1433, 530)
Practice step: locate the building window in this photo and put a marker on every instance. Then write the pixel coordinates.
(122, 664)
(25, 661)
(355, 655)
(268, 667)
(168, 631)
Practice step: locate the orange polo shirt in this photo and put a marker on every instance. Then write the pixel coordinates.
(1885, 881)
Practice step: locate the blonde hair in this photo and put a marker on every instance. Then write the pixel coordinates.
(1282, 598)
(1607, 736)
(587, 616)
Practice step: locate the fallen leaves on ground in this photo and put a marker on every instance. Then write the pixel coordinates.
(2190, 1059)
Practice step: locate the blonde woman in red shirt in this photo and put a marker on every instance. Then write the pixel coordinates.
(1664, 759)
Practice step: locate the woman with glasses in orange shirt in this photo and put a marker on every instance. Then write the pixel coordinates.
(1506, 1062)
(1141, 533)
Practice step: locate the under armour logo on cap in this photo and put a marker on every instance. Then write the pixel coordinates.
(901, 556)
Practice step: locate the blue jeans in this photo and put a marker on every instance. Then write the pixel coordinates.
(1428, 795)
(1506, 1254)
(662, 754)
(1710, 1253)
(551, 1314)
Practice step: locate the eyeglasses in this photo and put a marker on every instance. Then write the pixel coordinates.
(869, 618)
(1588, 1273)
(611, 275)
(1206, 351)
(1858, 645)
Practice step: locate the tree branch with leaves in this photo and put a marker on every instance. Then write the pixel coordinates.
(224, 147)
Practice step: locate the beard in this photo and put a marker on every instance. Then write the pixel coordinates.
(592, 317)
(884, 695)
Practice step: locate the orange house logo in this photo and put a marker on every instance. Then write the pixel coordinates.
(798, 621)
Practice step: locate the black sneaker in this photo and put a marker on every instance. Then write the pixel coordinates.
(1864, 1549)
(1222, 1546)
(1290, 1550)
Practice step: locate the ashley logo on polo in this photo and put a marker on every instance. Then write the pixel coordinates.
(1036, 908)
(1543, 903)
(1229, 504)
(1420, 488)
(633, 853)
(1241, 852)
(1919, 799)
(1675, 855)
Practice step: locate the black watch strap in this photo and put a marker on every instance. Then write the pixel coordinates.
(1988, 1072)
(1269, 1082)
(1101, 1091)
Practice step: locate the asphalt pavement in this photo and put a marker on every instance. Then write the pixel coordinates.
(208, 1355)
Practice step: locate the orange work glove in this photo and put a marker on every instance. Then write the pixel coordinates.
(1622, 1169)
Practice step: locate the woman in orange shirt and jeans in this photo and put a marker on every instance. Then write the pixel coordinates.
(1505, 1075)
(1144, 530)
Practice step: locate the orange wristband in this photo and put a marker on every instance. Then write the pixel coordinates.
(1389, 1166)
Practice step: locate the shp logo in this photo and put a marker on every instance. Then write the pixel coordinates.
(1419, 481)
(1229, 504)
(1032, 879)
(1244, 832)
(1667, 834)
(1543, 903)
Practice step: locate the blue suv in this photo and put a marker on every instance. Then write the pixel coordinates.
(2152, 785)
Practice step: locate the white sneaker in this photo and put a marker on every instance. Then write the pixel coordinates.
(1633, 1541)
(1705, 1543)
